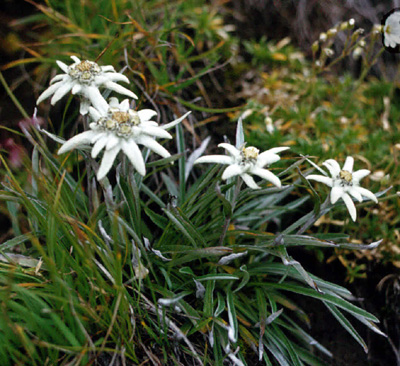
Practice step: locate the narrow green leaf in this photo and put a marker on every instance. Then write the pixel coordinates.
(164, 161)
(180, 142)
(245, 279)
(298, 240)
(217, 276)
(346, 325)
(16, 241)
(227, 207)
(157, 219)
(220, 305)
(12, 208)
(335, 300)
(170, 184)
(233, 322)
(208, 306)
(239, 134)
(314, 194)
(185, 226)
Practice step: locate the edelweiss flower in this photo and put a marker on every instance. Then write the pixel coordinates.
(85, 78)
(391, 30)
(345, 183)
(121, 128)
(246, 161)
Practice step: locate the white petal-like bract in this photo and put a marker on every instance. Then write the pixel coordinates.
(245, 161)
(345, 183)
(85, 78)
(116, 127)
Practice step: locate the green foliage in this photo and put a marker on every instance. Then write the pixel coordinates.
(133, 273)
(323, 115)
(130, 269)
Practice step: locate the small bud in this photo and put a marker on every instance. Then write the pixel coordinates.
(315, 47)
(269, 124)
(331, 32)
(323, 37)
(377, 29)
(356, 34)
(343, 26)
(347, 25)
(357, 53)
(328, 52)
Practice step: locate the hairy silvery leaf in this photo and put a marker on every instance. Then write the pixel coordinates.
(200, 289)
(239, 134)
(194, 155)
(229, 258)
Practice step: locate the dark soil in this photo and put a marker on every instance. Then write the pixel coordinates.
(383, 304)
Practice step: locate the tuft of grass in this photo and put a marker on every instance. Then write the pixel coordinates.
(128, 276)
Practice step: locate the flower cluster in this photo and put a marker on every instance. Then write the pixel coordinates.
(115, 126)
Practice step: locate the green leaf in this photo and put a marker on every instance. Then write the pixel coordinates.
(157, 219)
(245, 279)
(205, 109)
(195, 254)
(220, 305)
(233, 322)
(164, 161)
(12, 208)
(186, 270)
(346, 325)
(180, 142)
(171, 185)
(337, 301)
(314, 194)
(16, 241)
(185, 226)
(217, 276)
(239, 134)
(227, 207)
(297, 240)
(208, 306)
(288, 261)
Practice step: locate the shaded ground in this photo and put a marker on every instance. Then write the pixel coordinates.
(346, 351)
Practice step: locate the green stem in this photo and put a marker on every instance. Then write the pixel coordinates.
(229, 218)
(12, 96)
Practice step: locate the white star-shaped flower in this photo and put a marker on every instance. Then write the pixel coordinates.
(391, 30)
(85, 78)
(246, 161)
(345, 183)
(121, 128)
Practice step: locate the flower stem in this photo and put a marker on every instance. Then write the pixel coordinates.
(314, 217)
(229, 218)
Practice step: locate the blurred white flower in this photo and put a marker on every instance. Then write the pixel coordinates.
(246, 161)
(345, 183)
(121, 128)
(85, 78)
(391, 30)
(269, 124)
